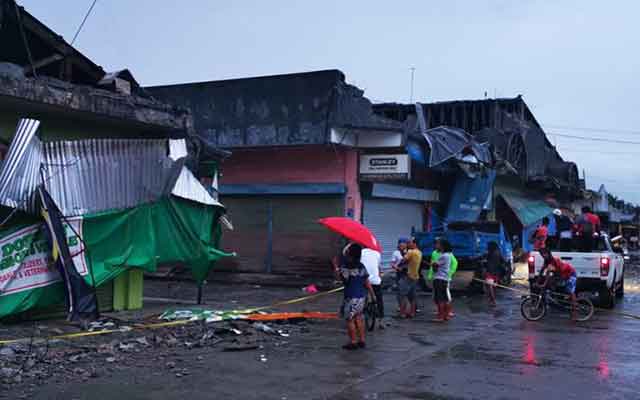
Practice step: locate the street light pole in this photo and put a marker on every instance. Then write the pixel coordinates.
(413, 70)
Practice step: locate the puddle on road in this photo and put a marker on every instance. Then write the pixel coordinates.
(468, 352)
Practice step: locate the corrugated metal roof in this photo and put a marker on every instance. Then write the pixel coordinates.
(94, 175)
(188, 187)
(101, 174)
(19, 175)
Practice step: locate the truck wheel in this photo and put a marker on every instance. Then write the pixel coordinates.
(620, 290)
(607, 297)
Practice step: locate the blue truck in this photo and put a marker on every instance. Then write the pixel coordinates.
(469, 241)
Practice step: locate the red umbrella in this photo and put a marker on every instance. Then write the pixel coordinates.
(352, 230)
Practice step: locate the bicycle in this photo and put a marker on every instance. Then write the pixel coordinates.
(534, 306)
(370, 314)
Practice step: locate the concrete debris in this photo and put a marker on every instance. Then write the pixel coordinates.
(7, 353)
(143, 341)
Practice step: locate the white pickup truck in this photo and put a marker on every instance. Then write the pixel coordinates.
(600, 271)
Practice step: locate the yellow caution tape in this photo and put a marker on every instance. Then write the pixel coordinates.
(167, 324)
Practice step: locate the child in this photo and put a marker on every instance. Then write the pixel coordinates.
(356, 285)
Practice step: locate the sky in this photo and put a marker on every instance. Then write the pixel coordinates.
(575, 63)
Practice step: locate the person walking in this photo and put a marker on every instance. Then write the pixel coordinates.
(440, 282)
(371, 259)
(356, 285)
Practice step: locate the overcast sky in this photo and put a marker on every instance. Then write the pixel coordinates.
(575, 62)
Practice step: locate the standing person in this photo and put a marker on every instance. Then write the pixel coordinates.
(433, 261)
(413, 258)
(539, 236)
(563, 229)
(440, 282)
(493, 269)
(371, 259)
(399, 266)
(452, 271)
(435, 256)
(588, 228)
(356, 285)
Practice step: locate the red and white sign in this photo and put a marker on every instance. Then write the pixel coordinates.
(26, 261)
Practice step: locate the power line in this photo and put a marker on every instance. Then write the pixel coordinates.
(603, 130)
(83, 21)
(593, 139)
(593, 151)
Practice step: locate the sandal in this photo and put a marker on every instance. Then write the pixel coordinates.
(350, 346)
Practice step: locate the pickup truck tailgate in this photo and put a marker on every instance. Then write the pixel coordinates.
(587, 265)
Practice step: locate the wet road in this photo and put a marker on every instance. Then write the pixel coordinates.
(482, 354)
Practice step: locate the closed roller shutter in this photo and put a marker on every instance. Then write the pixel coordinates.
(249, 237)
(390, 220)
(299, 245)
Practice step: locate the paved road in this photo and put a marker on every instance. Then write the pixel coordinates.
(481, 354)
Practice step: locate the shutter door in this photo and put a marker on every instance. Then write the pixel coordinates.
(390, 220)
(249, 216)
(300, 245)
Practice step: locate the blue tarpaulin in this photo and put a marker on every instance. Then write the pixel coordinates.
(469, 196)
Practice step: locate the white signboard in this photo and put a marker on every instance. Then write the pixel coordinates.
(377, 167)
(26, 263)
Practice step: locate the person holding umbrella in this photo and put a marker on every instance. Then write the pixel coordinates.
(356, 286)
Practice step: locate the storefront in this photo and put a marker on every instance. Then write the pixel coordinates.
(393, 204)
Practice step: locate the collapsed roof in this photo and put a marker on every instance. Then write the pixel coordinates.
(508, 125)
(290, 109)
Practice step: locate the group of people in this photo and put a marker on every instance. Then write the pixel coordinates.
(360, 270)
(407, 261)
(580, 233)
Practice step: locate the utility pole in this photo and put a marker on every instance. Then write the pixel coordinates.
(413, 70)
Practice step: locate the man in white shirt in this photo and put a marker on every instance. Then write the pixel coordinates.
(371, 260)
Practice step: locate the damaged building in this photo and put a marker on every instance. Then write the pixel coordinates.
(531, 178)
(117, 169)
(304, 146)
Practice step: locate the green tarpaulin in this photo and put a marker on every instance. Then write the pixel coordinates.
(171, 230)
(527, 210)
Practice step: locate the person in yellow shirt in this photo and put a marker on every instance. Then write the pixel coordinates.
(413, 258)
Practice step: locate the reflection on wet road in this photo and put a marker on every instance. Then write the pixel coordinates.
(510, 358)
(483, 353)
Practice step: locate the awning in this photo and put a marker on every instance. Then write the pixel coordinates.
(528, 211)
